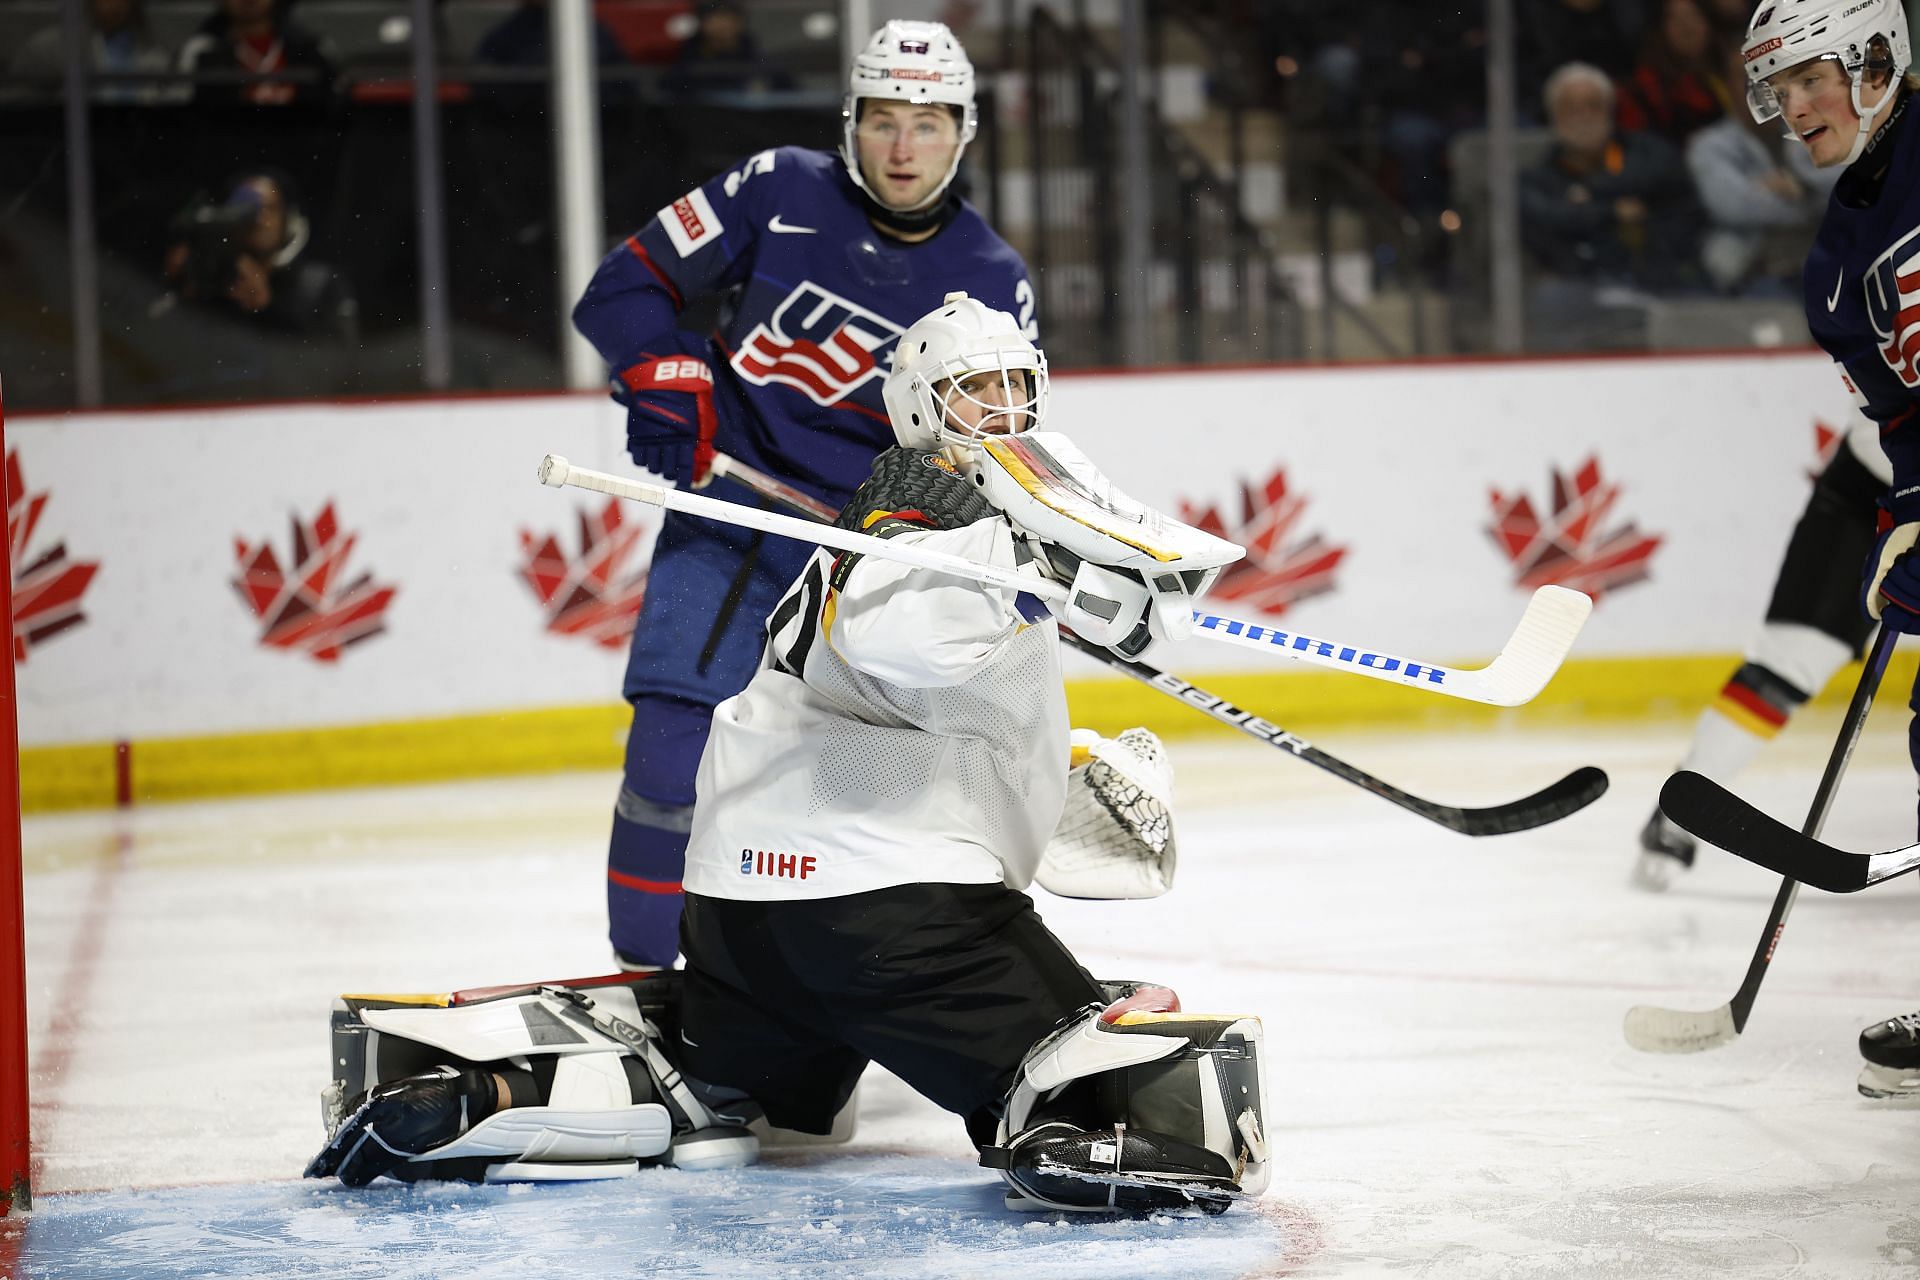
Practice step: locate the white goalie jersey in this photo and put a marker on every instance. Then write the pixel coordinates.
(904, 726)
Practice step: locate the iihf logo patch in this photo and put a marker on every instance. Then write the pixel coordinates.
(1893, 304)
(818, 343)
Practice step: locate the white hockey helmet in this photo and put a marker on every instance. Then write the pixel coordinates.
(1786, 33)
(935, 366)
(918, 62)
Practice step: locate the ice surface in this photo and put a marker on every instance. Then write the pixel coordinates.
(1449, 1093)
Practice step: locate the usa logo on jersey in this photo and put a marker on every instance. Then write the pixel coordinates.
(818, 343)
(1893, 304)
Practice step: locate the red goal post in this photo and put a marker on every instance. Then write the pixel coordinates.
(16, 1156)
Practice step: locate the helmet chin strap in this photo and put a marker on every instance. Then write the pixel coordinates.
(1868, 131)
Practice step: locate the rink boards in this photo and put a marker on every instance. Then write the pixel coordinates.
(228, 600)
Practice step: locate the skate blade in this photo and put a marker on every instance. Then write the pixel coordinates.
(1889, 1084)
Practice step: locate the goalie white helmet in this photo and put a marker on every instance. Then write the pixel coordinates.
(962, 373)
(1860, 35)
(917, 62)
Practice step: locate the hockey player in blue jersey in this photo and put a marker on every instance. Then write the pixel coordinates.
(1835, 73)
(824, 260)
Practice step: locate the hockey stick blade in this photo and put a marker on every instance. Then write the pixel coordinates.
(1529, 659)
(1651, 1029)
(1654, 1030)
(1569, 795)
(1708, 810)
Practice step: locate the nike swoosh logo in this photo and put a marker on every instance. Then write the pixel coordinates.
(1834, 301)
(691, 1044)
(789, 228)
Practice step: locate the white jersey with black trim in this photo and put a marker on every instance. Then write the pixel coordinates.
(904, 726)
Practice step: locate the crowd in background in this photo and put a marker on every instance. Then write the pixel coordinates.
(1643, 173)
(1643, 168)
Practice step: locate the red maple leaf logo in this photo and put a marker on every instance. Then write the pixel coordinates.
(1568, 548)
(1826, 443)
(46, 590)
(305, 607)
(592, 594)
(1280, 568)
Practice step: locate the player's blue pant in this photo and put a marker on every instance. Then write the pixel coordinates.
(697, 642)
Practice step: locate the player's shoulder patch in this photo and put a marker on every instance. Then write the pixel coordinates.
(914, 487)
(691, 222)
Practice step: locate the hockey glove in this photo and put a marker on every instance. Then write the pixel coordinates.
(670, 417)
(403, 1118)
(1115, 836)
(1108, 607)
(1891, 581)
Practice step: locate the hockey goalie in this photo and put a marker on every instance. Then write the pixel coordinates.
(871, 809)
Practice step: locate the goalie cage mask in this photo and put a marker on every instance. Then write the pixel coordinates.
(1136, 1111)
(964, 352)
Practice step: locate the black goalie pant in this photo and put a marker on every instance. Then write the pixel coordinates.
(945, 985)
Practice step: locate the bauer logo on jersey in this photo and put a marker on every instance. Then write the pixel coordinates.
(690, 221)
(818, 343)
(1893, 304)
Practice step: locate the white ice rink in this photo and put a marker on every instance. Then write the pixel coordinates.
(1449, 1092)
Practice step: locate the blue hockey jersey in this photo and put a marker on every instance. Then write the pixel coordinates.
(822, 298)
(1862, 287)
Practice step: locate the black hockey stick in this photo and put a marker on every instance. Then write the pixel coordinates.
(1719, 817)
(1569, 795)
(1655, 1030)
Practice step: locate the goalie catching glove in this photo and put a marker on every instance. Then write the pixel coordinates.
(1115, 838)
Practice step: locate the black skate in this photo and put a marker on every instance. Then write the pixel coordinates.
(1665, 851)
(1892, 1051)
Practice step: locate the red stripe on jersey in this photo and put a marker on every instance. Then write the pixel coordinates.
(640, 251)
(626, 881)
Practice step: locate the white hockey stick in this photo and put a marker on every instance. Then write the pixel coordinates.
(1525, 663)
(1528, 660)
(559, 473)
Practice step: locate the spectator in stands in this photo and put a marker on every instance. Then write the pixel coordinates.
(120, 44)
(1679, 84)
(1763, 197)
(246, 257)
(520, 40)
(721, 57)
(1553, 33)
(1604, 207)
(256, 37)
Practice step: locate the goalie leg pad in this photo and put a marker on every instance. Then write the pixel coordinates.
(419, 1073)
(1135, 1109)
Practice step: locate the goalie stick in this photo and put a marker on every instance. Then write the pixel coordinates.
(1524, 665)
(1569, 795)
(1652, 1029)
